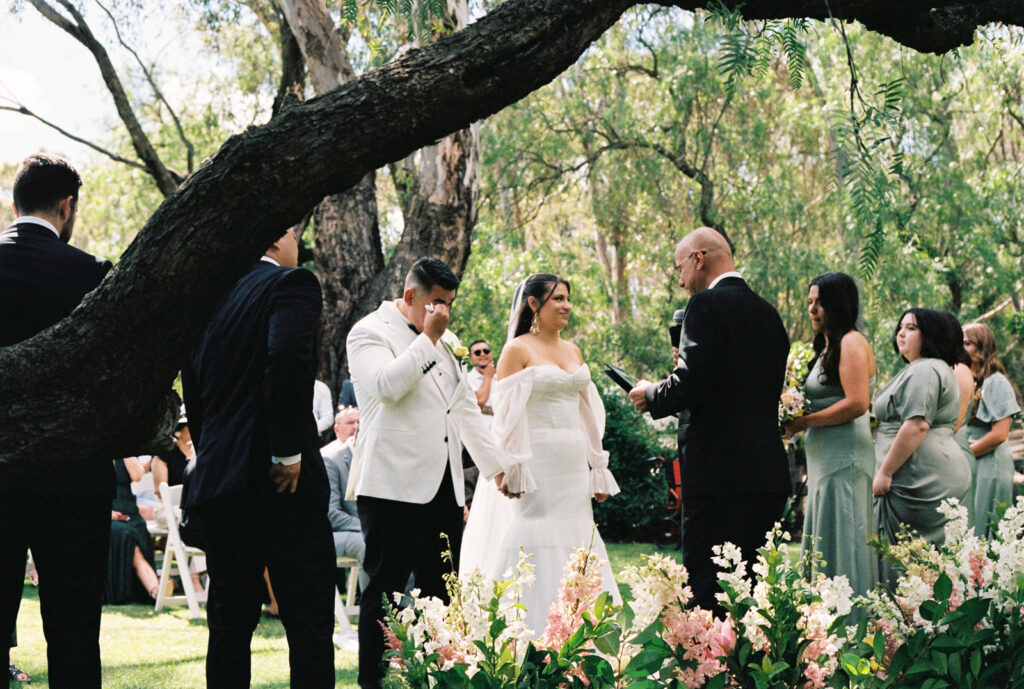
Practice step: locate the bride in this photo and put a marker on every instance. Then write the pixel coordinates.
(548, 424)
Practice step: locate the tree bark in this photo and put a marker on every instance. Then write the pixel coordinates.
(94, 384)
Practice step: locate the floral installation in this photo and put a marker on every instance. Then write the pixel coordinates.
(954, 618)
(792, 400)
(956, 615)
(787, 626)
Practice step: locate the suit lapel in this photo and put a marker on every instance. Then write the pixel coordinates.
(403, 336)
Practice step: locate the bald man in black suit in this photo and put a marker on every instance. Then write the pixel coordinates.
(729, 375)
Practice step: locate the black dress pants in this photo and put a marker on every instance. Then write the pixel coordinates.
(69, 536)
(402, 538)
(288, 534)
(714, 519)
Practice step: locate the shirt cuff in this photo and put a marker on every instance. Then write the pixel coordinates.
(287, 461)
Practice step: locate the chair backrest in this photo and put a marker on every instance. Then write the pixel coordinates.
(171, 496)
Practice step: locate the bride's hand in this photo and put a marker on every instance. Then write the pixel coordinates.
(600, 497)
(499, 481)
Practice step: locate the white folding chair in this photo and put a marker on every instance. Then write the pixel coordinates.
(343, 610)
(176, 550)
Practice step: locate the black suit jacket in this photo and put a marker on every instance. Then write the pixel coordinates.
(42, 280)
(732, 365)
(248, 387)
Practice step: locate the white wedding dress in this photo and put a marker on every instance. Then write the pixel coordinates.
(548, 425)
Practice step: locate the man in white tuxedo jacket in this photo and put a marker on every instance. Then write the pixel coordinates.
(417, 411)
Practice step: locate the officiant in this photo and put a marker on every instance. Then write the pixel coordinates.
(730, 370)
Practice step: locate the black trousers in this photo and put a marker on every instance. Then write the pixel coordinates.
(289, 535)
(712, 520)
(68, 536)
(402, 538)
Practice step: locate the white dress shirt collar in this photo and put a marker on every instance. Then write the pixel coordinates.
(36, 221)
(730, 274)
(269, 260)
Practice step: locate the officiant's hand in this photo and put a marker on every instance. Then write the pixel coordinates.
(435, 321)
(638, 396)
(285, 478)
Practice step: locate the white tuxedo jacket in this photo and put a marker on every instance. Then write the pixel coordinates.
(409, 427)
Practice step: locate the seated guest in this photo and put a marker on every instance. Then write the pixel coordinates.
(323, 406)
(145, 490)
(130, 574)
(169, 468)
(343, 515)
(347, 396)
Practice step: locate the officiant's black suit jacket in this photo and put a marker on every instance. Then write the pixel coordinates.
(42, 280)
(248, 386)
(732, 365)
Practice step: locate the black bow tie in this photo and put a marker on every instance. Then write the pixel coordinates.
(413, 328)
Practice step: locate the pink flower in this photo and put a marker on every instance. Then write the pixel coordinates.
(815, 675)
(723, 637)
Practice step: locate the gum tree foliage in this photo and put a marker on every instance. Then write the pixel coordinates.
(116, 354)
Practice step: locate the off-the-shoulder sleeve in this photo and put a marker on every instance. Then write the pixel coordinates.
(998, 400)
(918, 392)
(592, 418)
(511, 431)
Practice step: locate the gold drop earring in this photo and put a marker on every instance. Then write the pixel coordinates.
(535, 324)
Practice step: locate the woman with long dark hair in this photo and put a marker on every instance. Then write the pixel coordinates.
(919, 463)
(839, 519)
(995, 402)
(548, 425)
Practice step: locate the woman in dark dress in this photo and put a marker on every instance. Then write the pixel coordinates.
(130, 573)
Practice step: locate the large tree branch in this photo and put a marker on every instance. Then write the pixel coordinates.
(166, 181)
(105, 367)
(927, 26)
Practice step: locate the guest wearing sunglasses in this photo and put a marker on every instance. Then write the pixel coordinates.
(482, 375)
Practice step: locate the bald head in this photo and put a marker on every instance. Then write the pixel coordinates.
(702, 256)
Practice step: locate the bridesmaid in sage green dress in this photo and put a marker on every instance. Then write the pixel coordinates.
(989, 428)
(919, 463)
(965, 381)
(838, 519)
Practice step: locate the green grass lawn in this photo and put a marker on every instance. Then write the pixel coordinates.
(147, 650)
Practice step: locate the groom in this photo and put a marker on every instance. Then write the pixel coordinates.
(729, 375)
(417, 411)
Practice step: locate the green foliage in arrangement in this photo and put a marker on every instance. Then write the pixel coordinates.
(638, 512)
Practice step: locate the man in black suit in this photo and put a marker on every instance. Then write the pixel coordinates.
(62, 514)
(729, 375)
(259, 490)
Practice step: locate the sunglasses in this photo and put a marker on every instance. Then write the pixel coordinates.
(478, 352)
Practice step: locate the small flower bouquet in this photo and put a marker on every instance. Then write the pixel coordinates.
(792, 402)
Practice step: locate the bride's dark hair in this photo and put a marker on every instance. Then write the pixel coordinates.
(540, 286)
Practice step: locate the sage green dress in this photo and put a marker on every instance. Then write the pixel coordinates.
(840, 466)
(965, 446)
(937, 469)
(994, 482)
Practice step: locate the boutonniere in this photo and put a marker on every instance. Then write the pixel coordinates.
(460, 353)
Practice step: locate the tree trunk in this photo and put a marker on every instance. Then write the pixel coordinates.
(439, 205)
(95, 384)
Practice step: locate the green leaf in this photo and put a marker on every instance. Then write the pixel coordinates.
(943, 588)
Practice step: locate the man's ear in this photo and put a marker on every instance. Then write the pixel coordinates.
(408, 295)
(67, 208)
